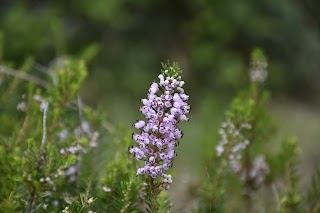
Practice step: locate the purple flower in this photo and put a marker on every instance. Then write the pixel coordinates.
(139, 124)
(165, 106)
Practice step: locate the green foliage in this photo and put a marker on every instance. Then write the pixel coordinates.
(291, 199)
(79, 206)
(9, 205)
(67, 77)
(121, 191)
(241, 110)
(258, 55)
(171, 71)
(312, 200)
(213, 190)
(163, 203)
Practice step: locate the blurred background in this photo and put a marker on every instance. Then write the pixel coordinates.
(124, 43)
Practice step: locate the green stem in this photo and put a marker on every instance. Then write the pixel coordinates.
(154, 192)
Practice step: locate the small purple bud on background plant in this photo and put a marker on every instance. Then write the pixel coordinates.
(258, 70)
(165, 106)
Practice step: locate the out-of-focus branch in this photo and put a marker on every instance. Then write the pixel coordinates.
(24, 76)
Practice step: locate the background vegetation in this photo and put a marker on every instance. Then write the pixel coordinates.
(123, 43)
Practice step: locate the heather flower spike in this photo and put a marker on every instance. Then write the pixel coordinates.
(258, 70)
(165, 106)
(232, 143)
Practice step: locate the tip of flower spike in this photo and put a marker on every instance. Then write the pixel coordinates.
(258, 70)
(173, 70)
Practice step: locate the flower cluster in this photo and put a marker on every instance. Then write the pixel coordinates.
(258, 71)
(165, 106)
(83, 133)
(166, 181)
(232, 143)
(257, 173)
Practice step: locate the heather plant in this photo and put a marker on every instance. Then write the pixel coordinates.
(41, 157)
(44, 163)
(242, 164)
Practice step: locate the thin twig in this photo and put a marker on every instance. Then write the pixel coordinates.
(276, 196)
(42, 153)
(44, 126)
(42, 69)
(24, 76)
(31, 200)
(78, 174)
